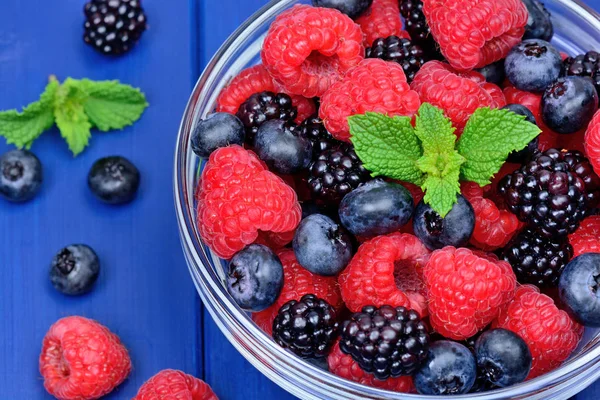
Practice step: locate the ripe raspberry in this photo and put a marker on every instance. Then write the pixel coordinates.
(592, 142)
(82, 360)
(466, 290)
(496, 93)
(307, 49)
(586, 239)
(170, 384)
(386, 270)
(374, 85)
(549, 332)
(275, 240)
(298, 282)
(344, 366)
(381, 20)
(475, 33)
(238, 198)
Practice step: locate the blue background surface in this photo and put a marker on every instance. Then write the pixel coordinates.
(144, 293)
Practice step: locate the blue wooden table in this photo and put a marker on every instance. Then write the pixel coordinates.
(144, 293)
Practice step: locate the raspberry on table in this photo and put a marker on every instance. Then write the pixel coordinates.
(381, 20)
(592, 142)
(466, 290)
(373, 86)
(586, 239)
(399, 50)
(238, 197)
(262, 107)
(172, 384)
(82, 360)
(307, 49)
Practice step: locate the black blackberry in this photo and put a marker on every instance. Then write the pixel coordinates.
(307, 327)
(416, 26)
(313, 129)
(553, 192)
(386, 341)
(537, 259)
(113, 26)
(335, 173)
(402, 51)
(587, 64)
(265, 106)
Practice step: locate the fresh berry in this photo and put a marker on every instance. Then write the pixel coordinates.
(386, 270)
(322, 246)
(21, 175)
(298, 281)
(238, 197)
(503, 358)
(579, 289)
(592, 142)
(533, 65)
(586, 239)
(475, 42)
(75, 269)
(376, 208)
(312, 207)
(455, 229)
(314, 130)
(399, 50)
(352, 8)
(494, 73)
(539, 25)
(466, 290)
(587, 64)
(335, 173)
(265, 106)
(281, 148)
(217, 130)
(381, 20)
(308, 327)
(449, 369)
(549, 332)
(569, 104)
(114, 180)
(374, 86)
(82, 360)
(275, 240)
(527, 153)
(170, 384)
(307, 49)
(113, 26)
(538, 259)
(416, 26)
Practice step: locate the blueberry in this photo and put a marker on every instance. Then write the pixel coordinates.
(376, 208)
(578, 289)
(284, 151)
(449, 369)
(322, 246)
(217, 130)
(569, 104)
(503, 358)
(494, 72)
(74, 269)
(114, 180)
(453, 230)
(20, 175)
(533, 65)
(539, 24)
(255, 278)
(352, 8)
(524, 155)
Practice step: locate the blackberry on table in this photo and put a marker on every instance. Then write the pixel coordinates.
(400, 50)
(417, 27)
(265, 106)
(313, 129)
(587, 64)
(113, 27)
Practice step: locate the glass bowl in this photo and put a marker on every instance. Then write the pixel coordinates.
(577, 29)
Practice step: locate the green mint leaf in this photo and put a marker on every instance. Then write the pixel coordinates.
(487, 140)
(111, 104)
(70, 116)
(440, 194)
(434, 130)
(22, 128)
(387, 146)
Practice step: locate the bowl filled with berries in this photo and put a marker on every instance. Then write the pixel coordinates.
(383, 199)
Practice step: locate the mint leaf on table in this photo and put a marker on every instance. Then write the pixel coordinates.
(71, 119)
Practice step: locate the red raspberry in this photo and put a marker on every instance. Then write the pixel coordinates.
(170, 384)
(344, 366)
(592, 142)
(415, 191)
(374, 85)
(466, 290)
(82, 360)
(475, 33)
(380, 264)
(496, 93)
(381, 20)
(275, 240)
(297, 282)
(238, 198)
(458, 94)
(307, 49)
(586, 239)
(549, 332)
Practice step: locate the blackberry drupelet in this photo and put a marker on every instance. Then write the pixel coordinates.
(113, 26)
(265, 106)
(386, 341)
(402, 51)
(307, 327)
(553, 192)
(537, 259)
(587, 64)
(335, 173)
(313, 129)
(417, 27)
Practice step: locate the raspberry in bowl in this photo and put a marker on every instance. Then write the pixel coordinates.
(220, 187)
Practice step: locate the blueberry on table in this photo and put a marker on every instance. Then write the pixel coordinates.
(533, 65)
(524, 155)
(74, 269)
(20, 175)
(579, 289)
(352, 8)
(569, 104)
(539, 25)
(494, 72)
(217, 130)
(114, 180)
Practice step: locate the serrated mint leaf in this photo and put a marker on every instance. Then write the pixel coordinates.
(434, 130)
(22, 128)
(487, 140)
(70, 116)
(387, 146)
(441, 194)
